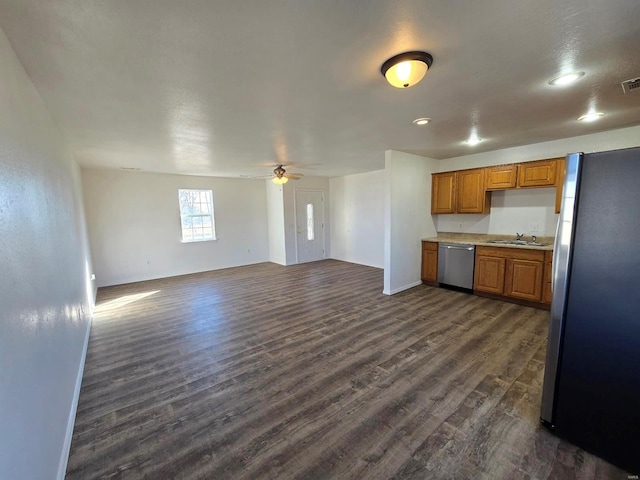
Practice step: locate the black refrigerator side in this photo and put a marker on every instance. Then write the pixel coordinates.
(595, 398)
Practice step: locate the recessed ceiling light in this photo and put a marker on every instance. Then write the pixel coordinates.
(421, 121)
(591, 117)
(473, 141)
(566, 79)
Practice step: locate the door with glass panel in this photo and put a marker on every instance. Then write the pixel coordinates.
(309, 225)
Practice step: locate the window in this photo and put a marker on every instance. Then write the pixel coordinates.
(309, 221)
(196, 215)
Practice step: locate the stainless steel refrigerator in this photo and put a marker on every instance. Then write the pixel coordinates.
(591, 393)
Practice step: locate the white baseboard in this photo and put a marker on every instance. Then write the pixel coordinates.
(401, 289)
(66, 448)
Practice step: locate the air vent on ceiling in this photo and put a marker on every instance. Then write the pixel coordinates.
(632, 85)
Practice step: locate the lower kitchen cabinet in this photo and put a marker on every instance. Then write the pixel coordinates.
(548, 273)
(429, 262)
(512, 273)
(523, 279)
(489, 274)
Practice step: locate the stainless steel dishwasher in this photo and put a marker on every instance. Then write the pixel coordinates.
(455, 264)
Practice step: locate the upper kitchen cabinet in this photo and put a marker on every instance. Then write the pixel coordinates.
(472, 195)
(538, 174)
(502, 177)
(443, 192)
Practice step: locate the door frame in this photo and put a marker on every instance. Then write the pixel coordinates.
(295, 216)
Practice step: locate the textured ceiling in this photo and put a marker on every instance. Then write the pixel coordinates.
(225, 87)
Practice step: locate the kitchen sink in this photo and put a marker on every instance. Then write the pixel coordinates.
(518, 242)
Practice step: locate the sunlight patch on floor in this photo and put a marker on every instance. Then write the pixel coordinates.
(120, 302)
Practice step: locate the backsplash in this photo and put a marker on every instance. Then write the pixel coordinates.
(512, 211)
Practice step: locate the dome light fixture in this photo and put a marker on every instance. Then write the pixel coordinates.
(406, 69)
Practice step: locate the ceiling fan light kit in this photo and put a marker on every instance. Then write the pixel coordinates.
(281, 176)
(406, 69)
(279, 180)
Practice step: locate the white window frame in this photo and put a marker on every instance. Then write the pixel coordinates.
(211, 215)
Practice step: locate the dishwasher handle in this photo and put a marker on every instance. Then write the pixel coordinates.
(454, 247)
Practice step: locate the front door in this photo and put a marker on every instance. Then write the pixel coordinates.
(310, 225)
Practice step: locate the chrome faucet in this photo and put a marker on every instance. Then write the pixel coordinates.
(519, 236)
(534, 239)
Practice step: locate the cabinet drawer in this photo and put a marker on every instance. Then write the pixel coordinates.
(506, 252)
(430, 246)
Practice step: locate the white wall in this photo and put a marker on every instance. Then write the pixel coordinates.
(518, 211)
(134, 225)
(357, 218)
(596, 142)
(407, 218)
(512, 211)
(45, 294)
(305, 183)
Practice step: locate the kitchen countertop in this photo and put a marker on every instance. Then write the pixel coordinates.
(481, 239)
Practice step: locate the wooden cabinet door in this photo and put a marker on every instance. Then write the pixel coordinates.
(524, 279)
(472, 197)
(429, 262)
(489, 274)
(502, 177)
(443, 192)
(560, 172)
(537, 174)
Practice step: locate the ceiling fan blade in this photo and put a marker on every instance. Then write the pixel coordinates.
(294, 176)
(309, 166)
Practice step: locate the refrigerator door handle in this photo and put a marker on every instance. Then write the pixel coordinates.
(559, 284)
(555, 249)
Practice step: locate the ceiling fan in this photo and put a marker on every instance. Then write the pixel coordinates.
(281, 176)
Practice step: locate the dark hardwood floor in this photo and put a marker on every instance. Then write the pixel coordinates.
(309, 372)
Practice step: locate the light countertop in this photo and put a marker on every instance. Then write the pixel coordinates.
(482, 239)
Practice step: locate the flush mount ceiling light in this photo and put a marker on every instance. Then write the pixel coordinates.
(473, 140)
(566, 79)
(421, 121)
(591, 117)
(406, 69)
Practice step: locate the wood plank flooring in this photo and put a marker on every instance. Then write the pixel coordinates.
(309, 372)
